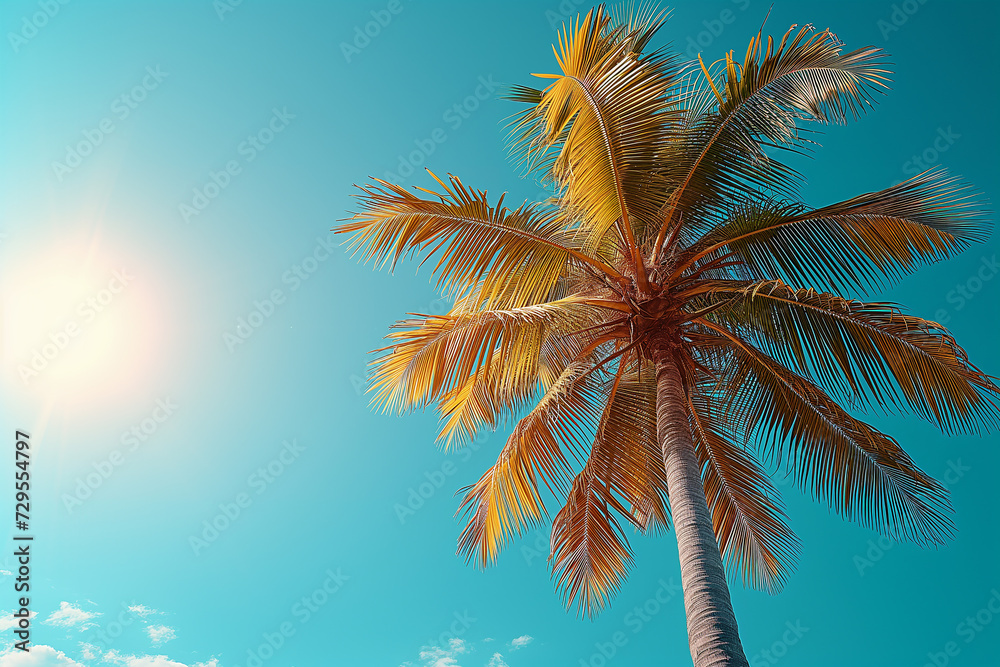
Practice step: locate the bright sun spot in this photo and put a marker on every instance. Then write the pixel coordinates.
(78, 327)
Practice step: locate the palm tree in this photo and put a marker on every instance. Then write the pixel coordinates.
(647, 332)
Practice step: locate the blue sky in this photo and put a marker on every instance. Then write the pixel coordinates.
(185, 341)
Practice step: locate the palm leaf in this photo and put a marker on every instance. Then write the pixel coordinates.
(861, 473)
(436, 354)
(808, 77)
(519, 254)
(492, 392)
(867, 351)
(608, 112)
(506, 499)
(590, 552)
(864, 243)
(747, 513)
(623, 477)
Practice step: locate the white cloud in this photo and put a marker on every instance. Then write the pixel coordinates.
(160, 634)
(142, 610)
(497, 661)
(7, 620)
(520, 642)
(39, 656)
(151, 661)
(7, 573)
(436, 656)
(68, 616)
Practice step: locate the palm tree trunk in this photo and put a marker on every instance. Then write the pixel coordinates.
(712, 631)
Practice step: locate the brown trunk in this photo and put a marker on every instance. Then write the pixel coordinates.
(711, 624)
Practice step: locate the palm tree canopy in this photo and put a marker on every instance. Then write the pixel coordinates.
(676, 230)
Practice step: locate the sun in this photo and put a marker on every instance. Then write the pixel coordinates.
(78, 324)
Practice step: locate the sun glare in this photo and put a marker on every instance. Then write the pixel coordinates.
(78, 326)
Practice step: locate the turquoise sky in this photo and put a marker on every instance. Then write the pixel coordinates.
(185, 342)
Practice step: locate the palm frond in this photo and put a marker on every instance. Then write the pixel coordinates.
(863, 243)
(436, 354)
(506, 499)
(608, 112)
(590, 552)
(632, 427)
(493, 392)
(747, 513)
(623, 478)
(519, 253)
(861, 473)
(868, 352)
(807, 77)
